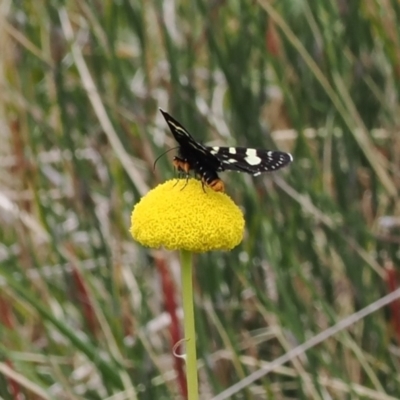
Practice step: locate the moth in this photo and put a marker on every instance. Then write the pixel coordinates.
(207, 161)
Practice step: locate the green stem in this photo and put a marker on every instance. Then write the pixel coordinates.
(188, 320)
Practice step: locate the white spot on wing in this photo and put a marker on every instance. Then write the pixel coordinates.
(251, 157)
(214, 150)
(232, 150)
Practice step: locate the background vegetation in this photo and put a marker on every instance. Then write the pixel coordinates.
(84, 310)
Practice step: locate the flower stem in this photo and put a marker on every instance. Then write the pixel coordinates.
(188, 320)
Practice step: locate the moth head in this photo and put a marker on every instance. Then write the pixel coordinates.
(181, 165)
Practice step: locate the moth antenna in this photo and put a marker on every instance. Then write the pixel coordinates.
(162, 154)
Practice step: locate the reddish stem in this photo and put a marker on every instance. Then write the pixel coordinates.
(392, 282)
(82, 296)
(6, 319)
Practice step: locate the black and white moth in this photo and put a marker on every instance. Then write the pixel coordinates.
(206, 161)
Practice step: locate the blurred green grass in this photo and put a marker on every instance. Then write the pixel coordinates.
(83, 311)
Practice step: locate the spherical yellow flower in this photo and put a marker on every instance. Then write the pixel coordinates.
(182, 215)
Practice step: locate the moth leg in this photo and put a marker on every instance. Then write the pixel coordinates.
(183, 187)
(179, 176)
(203, 183)
(183, 168)
(187, 180)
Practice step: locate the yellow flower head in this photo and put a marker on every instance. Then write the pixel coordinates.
(180, 215)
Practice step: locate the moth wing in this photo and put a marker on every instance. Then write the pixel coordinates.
(251, 161)
(188, 145)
